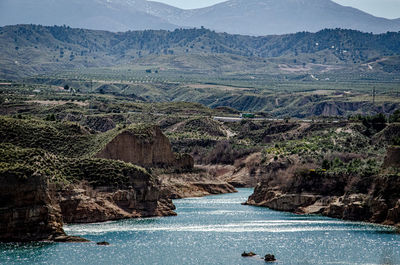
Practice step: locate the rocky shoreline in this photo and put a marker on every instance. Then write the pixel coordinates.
(36, 211)
(353, 207)
(179, 186)
(40, 190)
(379, 204)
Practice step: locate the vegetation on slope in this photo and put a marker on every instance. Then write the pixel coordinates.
(61, 138)
(22, 163)
(38, 49)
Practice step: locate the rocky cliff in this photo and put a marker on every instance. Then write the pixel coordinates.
(146, 146)
(26, 209)
(83, 203)
(43, 184)
(33, 207)
(373, 199)
(194, 184)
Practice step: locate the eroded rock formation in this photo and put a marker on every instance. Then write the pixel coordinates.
(85, 204)
(177, 186)
(147, 147)
(26, 210)
(380, 204)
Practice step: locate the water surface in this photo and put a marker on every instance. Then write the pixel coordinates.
(216, 230)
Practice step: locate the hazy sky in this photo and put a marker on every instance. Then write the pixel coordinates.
(382, 8)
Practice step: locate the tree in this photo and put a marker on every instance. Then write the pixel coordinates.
(395, 117)
(66, 87)
(51, 117)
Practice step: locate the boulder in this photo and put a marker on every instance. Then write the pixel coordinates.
(104, 243)
(248, 254)
(70, 239)
(269, 258)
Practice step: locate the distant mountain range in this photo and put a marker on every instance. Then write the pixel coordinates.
(31, 49)
(111, 15)
(248, 17)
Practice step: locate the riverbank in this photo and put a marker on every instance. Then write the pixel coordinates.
(217, 230)
(377, 203)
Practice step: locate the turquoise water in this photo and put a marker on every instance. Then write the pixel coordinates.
(216, 230)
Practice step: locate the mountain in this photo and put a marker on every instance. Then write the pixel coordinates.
(263, 17)
(31, 49)
(248, 17)
(111, 15)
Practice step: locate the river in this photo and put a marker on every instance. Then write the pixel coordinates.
(216, 230)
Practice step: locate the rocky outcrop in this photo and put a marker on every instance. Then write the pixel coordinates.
(33, 210)
(248, 254)
(392, 158)
(276, 200)
(83, 204)
(269, 258)
(147, 147)
(380, 204)
(177, 186)
(39, 189)
(248, 171)
(184, 161)
(26, 210)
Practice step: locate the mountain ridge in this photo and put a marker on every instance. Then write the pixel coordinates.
(282, 17)
(32, 49)
(246, 17)
(113, 16)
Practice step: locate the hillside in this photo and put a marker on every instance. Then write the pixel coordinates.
(30, 49)
(249, 17)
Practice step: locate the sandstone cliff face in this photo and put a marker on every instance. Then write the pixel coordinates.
(85, 204)
(33, 210)
(26, 210)
(149, 149)
(35, 199)
(381, 204)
